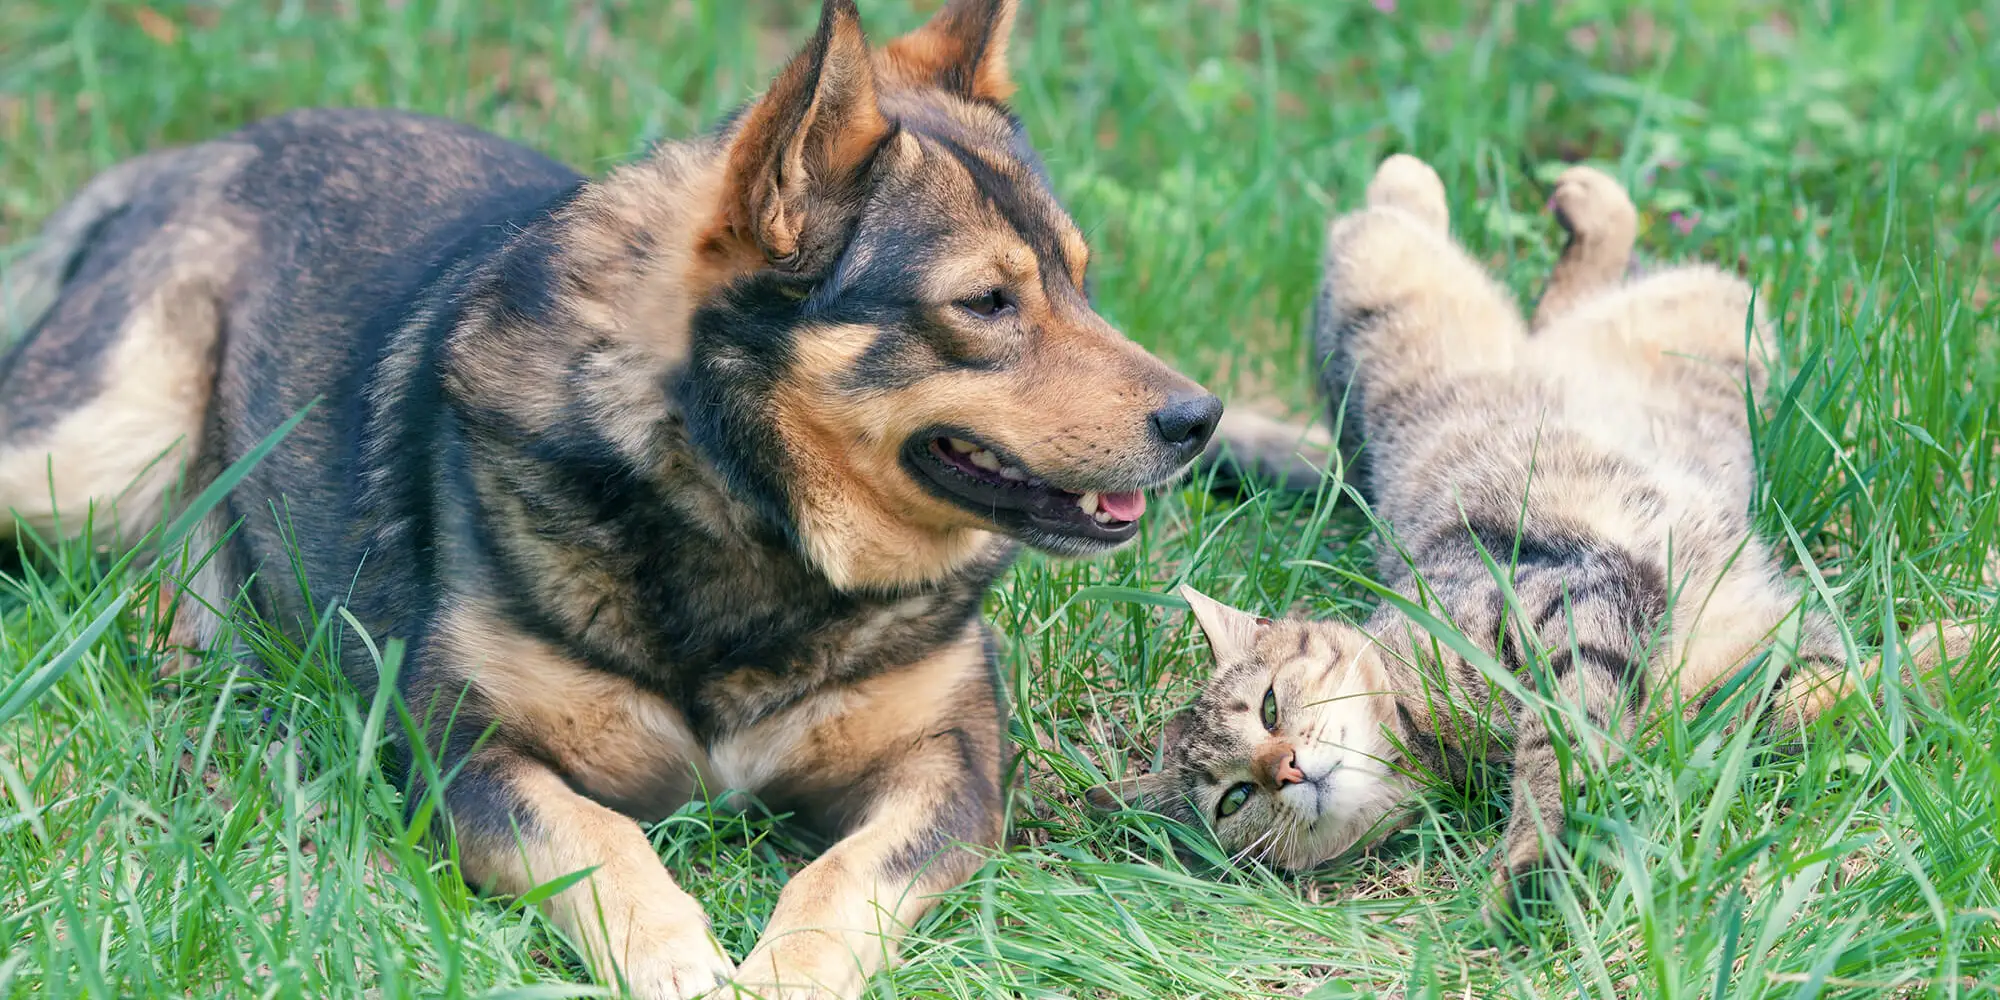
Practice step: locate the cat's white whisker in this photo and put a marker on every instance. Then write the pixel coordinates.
(1624, 413)
(1250, 850)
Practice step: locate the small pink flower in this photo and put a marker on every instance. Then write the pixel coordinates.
(1996, 248)
(1385, 6)
(1684, 222)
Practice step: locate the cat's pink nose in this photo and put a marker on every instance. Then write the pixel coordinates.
(1287, 772)
(1273, 765)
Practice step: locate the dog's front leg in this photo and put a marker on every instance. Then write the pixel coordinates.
(912, 769)
(520, 826)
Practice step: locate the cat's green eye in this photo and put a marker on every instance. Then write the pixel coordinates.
(1271, 709)
(1232, 800)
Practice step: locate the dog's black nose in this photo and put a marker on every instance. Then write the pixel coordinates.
(1186, 422)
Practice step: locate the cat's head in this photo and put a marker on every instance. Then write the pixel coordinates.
(1291, 752)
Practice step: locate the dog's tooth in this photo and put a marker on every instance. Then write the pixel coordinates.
(1088, 503)
(1103, 517)
(986, 460)
(962, 447)
(1012, 474)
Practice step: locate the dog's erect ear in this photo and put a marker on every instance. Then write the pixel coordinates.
(963, 50)
(795, 164)
(1146, 791)
(1230, 632)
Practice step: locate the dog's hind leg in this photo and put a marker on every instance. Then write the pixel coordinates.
(112, 453)
(1250, 450)
(103, 401)
(31, 285)
(1602, 224)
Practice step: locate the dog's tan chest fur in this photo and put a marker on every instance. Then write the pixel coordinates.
(630, 748)
(657, 475)
(621, 744)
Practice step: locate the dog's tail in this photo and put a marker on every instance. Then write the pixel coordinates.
(31, 283)
(1251, 451)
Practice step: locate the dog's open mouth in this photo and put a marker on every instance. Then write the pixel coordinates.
(987, 481)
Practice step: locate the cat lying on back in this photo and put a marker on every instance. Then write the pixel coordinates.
(1603, 454)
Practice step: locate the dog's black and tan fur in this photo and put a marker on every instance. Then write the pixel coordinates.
(692, 475)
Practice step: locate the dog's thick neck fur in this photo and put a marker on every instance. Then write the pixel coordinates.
(747, 567)
(690, 477)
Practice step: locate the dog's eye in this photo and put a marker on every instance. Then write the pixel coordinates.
(989, 305)
(1232, 800)
(1271, 709)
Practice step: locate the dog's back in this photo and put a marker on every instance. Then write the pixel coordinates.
(281, 257)
(691, 475)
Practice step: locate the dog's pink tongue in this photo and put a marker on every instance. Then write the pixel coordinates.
(1123, 506)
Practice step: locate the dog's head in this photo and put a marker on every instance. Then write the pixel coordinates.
(912, 358)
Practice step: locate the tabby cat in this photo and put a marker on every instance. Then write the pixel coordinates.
(1600, 457)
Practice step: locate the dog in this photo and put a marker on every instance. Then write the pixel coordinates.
(690, 476)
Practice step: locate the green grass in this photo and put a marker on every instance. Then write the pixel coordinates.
(156, 840)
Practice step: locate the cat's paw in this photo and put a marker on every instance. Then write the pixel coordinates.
(1593, 207)
(1409, 184)
(1501, 913)
(1516, 895)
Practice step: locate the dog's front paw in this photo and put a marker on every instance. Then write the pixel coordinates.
(802, 965)
(678, 966)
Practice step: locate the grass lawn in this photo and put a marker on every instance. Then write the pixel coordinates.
(157, 841)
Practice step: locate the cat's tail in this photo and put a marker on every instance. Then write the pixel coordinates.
(1927, 658)
(1251, 452)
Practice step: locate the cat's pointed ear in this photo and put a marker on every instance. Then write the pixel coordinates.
(1145, 791)
(1230, 632)
(1176, 730)
(963, 50)
(799, 153)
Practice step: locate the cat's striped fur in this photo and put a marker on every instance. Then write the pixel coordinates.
(1600, 457)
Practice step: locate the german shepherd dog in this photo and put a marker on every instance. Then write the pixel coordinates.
(692, 476)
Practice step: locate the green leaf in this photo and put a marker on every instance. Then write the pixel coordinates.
(553, 886)
(1337, 989)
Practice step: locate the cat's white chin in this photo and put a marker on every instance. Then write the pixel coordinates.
(1333, 790)
(1308, 800)
(1334, 811)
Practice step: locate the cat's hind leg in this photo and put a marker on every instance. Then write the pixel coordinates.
(1684, 345)
(1597, 213)
(1407, 183)
(1402, 307)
